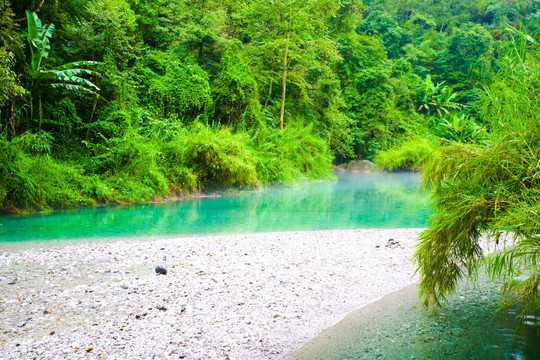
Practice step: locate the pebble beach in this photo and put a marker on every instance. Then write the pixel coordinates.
(248, 296)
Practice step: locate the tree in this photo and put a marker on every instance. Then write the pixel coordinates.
(9, 88)
(285, 36)
(67, 76)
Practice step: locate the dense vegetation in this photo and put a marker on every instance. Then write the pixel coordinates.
(131, 100)
(492, 188)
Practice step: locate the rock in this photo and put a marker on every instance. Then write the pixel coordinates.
(160, 269)
(340, 168)
(124, 286)
(90, 348)
(139, 316)
(392, 244)
(354, 166)
(359, 165)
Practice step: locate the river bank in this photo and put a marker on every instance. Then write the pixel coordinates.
(251, 296)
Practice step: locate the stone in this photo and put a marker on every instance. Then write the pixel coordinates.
(392, 244)
(124, 286)
(161, 270)
(359, 165)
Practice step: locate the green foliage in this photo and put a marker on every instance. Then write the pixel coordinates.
(220, 157)
(439, 99)
(344, 79)
(31, 181)
(128, 164)
(490, 189)
(461, 128)
(290, 155)
(236, 93)
(181, 179)
(411, 154)
(183, 91)
(9, 85)
(67, 76)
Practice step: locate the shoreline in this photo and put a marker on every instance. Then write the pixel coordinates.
(246, 296)
(172, 196)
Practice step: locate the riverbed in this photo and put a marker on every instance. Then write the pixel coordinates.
(248, 296)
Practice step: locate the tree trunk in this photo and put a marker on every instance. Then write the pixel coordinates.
(40, 112)
(269, 95)
(12, 115)
(31, 111)
(91, 118)
(285, 69)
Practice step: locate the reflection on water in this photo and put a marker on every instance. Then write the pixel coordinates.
(396, 327)
(358, 200)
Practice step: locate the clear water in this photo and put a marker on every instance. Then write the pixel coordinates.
(397, 327)
(356, 200)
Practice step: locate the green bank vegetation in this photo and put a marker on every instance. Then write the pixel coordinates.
(120, 101)
(492, 188)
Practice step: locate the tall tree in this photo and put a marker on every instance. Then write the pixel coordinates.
(283, 37)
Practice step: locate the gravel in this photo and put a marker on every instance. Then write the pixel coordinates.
(249, 296)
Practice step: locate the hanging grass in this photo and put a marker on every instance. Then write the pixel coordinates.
(492, 189)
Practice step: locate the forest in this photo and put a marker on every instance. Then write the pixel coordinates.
(123, 101)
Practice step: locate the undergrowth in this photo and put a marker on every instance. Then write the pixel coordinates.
(140, 165)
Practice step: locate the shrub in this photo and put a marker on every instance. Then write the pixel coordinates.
(411, 154)
(219, 157)
(296, 153)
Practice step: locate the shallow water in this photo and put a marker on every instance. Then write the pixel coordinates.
(397, 327)
(356, 200)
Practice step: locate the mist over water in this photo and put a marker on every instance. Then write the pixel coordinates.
(355, 200)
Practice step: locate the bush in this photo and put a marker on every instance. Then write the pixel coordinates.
(128, 164)
(32, 181)
(219, 157)
(184, 91)
(172, 163)
(411, 154)
(296, 153)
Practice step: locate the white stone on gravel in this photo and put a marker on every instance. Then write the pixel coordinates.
(250, 296)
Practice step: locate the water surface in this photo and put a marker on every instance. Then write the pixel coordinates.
(355, 200)
(397, 327)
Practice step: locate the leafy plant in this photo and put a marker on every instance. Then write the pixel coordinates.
(461, 128)
(439, 99)
(67, 76)
(219, 157)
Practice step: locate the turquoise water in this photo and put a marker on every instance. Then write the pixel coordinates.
(356, 200)
(397, 327)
